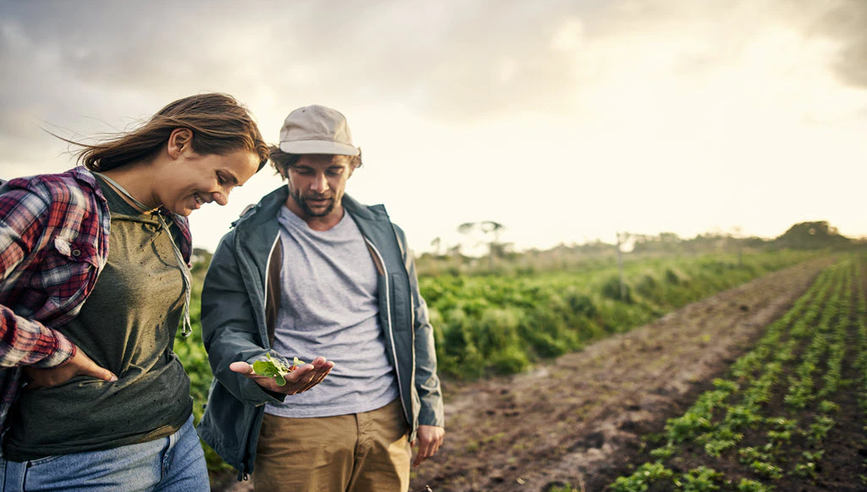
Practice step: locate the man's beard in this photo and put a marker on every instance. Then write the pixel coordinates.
(302, 202)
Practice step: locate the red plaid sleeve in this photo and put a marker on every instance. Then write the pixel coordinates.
(23, 218)
(25, 342)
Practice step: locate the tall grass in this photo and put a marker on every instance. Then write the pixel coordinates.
(495, 324)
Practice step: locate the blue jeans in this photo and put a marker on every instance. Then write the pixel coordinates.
(171, 464)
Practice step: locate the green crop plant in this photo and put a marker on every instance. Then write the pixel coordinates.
(663, 452)
(743, 416)
(819, 429)
(641, 480)
(720, 441)
(701, 479)
(752, 453)
(779, 438)
(766, 470)
(746, 485)
(782, 424)
(810, 342)
(807, 467)
(687, 427)
(838, 343)
(801, 390)
(827, 407)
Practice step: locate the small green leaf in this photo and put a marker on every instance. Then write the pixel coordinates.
(264, 368)
(273, 368)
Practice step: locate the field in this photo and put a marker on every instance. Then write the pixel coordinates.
(581, 420)
(496, 324)
(788, 415)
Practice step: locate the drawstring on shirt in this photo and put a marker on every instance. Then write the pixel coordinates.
(187, 329)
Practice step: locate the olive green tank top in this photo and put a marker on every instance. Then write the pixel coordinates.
(128, 326)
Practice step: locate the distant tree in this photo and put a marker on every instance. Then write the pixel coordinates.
(755, 242)
(491, 230)
(668, 237)
(437, 244)
(812, 235)
(466, 227)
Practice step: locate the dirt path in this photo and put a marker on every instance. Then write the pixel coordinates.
(579, 419)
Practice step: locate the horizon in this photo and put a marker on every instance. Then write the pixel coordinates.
(481, 249)
(564, 121)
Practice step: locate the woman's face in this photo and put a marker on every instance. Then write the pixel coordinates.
(195, 179)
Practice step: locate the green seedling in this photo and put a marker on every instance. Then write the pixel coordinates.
(273, 368)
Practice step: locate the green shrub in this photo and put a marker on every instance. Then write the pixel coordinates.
(510, 360)
(611, 290)
(675, 277)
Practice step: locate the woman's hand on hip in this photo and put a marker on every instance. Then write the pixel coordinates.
(77, 365)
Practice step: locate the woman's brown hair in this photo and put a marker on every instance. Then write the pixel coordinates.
(220, 125)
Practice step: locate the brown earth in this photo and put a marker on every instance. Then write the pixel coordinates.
(579, 420)
(838, 457)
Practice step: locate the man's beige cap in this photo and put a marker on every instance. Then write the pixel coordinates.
(316, 130)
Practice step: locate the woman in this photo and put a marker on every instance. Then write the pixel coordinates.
(94, 282)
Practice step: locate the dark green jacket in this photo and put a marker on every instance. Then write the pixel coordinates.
(239, 310)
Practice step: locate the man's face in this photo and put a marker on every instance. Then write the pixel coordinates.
(316, 185)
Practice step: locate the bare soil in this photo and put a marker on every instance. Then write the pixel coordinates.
(579, 420)
(841, 465)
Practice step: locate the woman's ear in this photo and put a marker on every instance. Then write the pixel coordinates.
(180, 140)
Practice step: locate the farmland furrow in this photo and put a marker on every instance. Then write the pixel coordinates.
(795, 426)
(578, 419)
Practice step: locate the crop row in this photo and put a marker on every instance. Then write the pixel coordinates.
(767, 424)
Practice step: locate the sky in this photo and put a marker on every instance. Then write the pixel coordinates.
(564, 121)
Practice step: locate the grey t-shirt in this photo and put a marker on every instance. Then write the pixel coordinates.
(329, 307)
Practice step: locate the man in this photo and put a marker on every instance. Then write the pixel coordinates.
(309, 272)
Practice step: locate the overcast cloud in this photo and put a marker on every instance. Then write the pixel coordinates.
(682, 98)
(455, 60)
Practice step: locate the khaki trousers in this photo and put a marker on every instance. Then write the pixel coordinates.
(354, 453)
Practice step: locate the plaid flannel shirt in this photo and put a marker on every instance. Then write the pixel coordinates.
(54, 231)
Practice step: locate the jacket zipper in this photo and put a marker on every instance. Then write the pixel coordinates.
(390, 328)
(243, 471)
(267, 283)
(268, 272)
